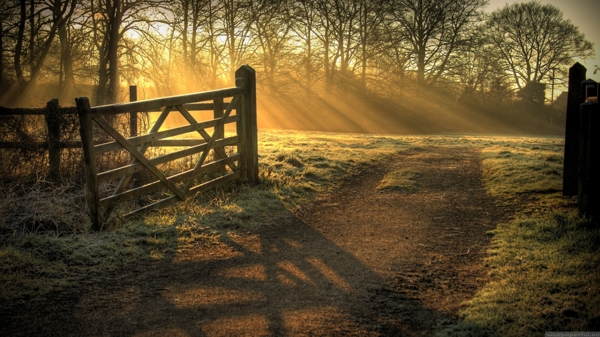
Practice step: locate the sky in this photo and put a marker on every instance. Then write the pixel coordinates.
(583, 13)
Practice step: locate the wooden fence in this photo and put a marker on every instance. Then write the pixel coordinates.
(239, 165)
(53, 116)
(582, 143)
(54, 121)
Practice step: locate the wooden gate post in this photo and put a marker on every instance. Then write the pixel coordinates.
(246, 77)
(53, 137)
(575, 98)
(593, 208)
(89, 158)
(588, 194)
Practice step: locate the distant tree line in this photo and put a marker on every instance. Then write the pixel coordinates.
(314, 47)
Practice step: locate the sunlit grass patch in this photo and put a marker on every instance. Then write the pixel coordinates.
(545, 275)
(544, 264)
(403, 180)
(511, 169)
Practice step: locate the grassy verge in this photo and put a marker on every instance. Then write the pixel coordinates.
(544, 264)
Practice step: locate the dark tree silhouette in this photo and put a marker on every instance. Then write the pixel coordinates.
(533, 39)
(435, 30)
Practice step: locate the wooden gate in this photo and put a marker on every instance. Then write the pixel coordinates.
(241, 164)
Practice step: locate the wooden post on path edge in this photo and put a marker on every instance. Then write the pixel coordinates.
(247, 77)
(575, 98)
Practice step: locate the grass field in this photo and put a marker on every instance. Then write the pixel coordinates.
(544, 264)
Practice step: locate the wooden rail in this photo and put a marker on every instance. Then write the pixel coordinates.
(52, 113)
(225, 167)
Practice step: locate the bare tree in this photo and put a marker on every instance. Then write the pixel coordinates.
(533, 39)
(9, 23)
(271, 33)
(111, 19)
(236, 22)
(371, 16)
(436, 29)
(303, 17)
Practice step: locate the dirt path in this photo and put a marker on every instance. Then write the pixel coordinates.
(359, 262)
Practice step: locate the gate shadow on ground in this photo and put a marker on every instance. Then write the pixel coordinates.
(282, 279)
(285, 279)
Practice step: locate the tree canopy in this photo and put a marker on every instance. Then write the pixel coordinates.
(317, 47)
(532, 40)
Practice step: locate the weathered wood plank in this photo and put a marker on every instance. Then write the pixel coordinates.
(213, 183)
(151, 137)
(89, 159)
(197, 189)
(158, 185)
(179, 142)
(125, 180)
(210, 145)
(186, 114)
(189, 106)
(137, 167)
(202, 106)
(139, 156)
(249, 124)
(185, 104)
(164, 101)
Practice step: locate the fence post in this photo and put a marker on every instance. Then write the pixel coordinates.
(247, 76)
(133, 120)
(87, 142)
(593, 206)
(53, 137)
(575, 98)
(588, 160)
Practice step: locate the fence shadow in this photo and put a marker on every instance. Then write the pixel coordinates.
(284, 279)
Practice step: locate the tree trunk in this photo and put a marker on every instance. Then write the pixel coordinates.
(19, 44)
(32, 35)
(308, 71)
(184, 33)
(66, 62)
(113, 48)
(421, 65)
(328, 75)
